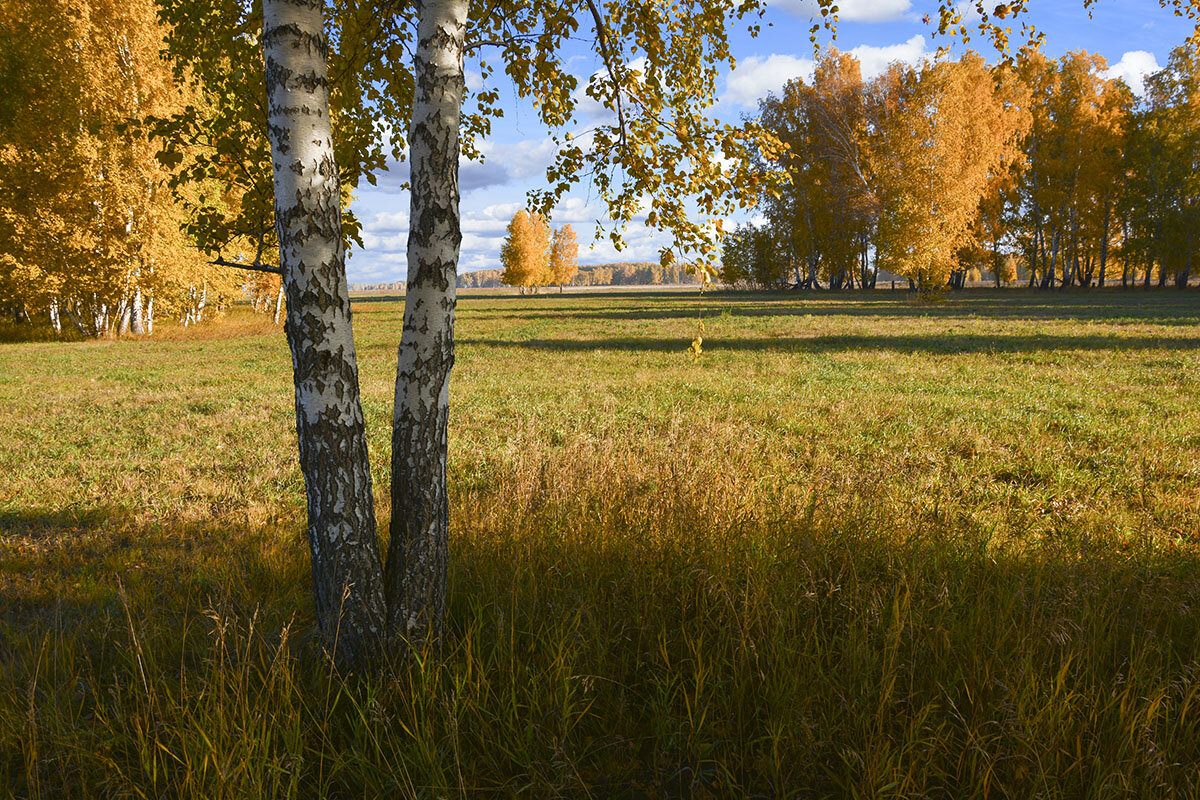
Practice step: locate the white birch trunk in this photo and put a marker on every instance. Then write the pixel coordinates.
(150, 315)
(347, 576)
(279, 303)
(125, 315)
(137, 324)
(416, 566)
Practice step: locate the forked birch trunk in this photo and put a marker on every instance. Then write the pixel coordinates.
(416, 565)
(347, 577)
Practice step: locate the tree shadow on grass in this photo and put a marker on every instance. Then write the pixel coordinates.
(1153, 313)
(655, 666)
(942, 343)
(845, 643)
(78, 560)
(1160, 307)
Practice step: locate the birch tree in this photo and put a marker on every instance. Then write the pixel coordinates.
(88, 234)
(941, 133)
(526, 252)
(564, 256)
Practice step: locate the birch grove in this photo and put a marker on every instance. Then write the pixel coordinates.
(90, 238)
(1048, 168)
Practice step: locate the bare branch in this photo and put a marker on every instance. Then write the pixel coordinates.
(256, 266)
(606, 54)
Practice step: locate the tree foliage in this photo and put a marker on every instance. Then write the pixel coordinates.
(88, 231)
(752, 254)
(942, 132)
(1161, 205)
(564, 256)
(660, 75)
(525, 253)
(935, 171)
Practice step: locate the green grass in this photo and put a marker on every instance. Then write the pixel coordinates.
(861, 548)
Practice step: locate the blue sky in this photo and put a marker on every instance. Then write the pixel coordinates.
(1135, 37)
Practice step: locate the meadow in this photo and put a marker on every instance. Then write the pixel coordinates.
(861, 547)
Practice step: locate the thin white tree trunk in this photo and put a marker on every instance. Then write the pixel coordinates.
(347, 576)
(416, 567)
(202, 303)
(125, 317)
(55, 320)
(137, 324)
(279, 303)
(150, 315)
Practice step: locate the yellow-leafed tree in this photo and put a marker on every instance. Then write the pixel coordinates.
(525, 254)
(564, 256)
(942, 133)
(89, 233)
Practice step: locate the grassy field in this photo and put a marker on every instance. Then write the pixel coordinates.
(861, 548)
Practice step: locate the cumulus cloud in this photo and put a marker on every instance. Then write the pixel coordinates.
(754, 78)
(502, 163)
(875, 60)
(849, 10)
(587, 107)
(1133, 68)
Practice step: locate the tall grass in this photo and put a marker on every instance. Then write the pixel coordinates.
(629, 624)
(712, 598)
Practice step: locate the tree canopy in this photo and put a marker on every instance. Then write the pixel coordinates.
(934, 171)
(88, 232)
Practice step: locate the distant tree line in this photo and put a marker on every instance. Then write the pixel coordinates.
(620, 274)
(644, 273)
(952, 169)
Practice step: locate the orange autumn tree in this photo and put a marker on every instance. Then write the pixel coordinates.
(942, 131)
(564, 256)
(821, 219)
(993, 232)
(525, 254)
(89, 235)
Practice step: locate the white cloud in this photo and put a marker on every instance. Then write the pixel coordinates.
(875, 60)
(387, 221)
(1133, 68)
(754, 78)
(587, 107)
(575, 211)
(968, 11)
(491, 219)
(849, 10)
(502, 164)
(525, 159)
